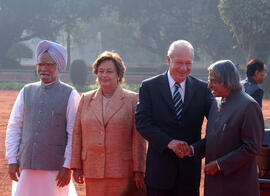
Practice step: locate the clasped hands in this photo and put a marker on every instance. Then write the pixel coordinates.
(180, 148)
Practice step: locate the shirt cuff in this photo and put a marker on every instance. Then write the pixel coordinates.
(12, 160)
(192, 151)
(218, 165)
(67, 163)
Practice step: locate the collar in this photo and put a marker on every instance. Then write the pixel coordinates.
(251, 80)
(50, 85)
(230, 96)
(172, 82)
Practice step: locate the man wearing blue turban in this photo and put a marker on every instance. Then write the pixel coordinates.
(39, 132)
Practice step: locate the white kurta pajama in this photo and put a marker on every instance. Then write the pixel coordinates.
(38, 182)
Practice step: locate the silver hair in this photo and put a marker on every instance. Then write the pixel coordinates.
(227, 73)
(180, 44)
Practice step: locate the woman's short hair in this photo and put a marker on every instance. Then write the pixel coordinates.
(115, 58)
(227, 74)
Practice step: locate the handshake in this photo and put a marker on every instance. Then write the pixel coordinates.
(180, 148)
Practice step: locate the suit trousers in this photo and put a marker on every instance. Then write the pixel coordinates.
(172, 192)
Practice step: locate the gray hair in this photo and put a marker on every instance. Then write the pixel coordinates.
(227, 73)
(180, 44)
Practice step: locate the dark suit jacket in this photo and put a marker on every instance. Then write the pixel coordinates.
(234, 135)
(253, 90)
(156, 120)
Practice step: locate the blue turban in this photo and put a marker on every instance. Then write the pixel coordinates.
(56, 51)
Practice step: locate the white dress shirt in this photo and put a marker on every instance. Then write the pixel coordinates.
(172, 87)
(15, 125)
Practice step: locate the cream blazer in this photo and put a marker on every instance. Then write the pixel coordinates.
(111, 148)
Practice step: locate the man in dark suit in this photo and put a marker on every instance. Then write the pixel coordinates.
(256, 74)
(171, 110)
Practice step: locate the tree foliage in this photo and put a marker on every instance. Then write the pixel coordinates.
(212, 37)
(151, 24)
(158, 22)
(18, 51)
(23, 20)
(161, 22)
(250, 23)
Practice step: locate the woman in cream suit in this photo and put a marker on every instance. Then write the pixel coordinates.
(107, 151)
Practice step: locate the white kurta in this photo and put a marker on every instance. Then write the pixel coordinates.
(40, 183)
(38, 180)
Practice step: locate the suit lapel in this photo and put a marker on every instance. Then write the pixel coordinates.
(97, 105)
(114, 104)
(189, 91)
(166, 91)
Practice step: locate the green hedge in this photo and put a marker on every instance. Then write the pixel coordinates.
(11, 85)
(78, 72)
(80, 88)
(85, 88)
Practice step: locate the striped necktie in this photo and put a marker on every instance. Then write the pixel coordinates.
(177, 100)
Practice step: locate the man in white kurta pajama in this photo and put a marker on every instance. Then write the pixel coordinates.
(39, 132)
